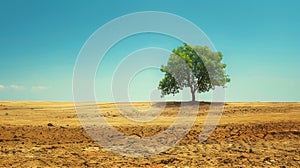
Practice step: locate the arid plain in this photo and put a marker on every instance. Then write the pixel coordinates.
(49, 134)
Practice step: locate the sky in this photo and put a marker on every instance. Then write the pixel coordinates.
(40, 42)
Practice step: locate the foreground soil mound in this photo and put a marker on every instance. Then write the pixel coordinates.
(49, 134)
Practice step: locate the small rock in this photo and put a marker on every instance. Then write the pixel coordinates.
(267, 162)
(267, 159)
(50, 125)
(228, 160)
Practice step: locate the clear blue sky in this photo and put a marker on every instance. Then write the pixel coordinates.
(40, 41)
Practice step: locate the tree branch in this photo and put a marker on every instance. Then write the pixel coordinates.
(198, 83)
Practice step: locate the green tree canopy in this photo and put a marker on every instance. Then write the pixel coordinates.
(197, 68)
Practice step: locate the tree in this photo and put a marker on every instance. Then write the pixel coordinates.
(196, 67)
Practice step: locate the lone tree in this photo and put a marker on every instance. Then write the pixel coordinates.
(196, 67)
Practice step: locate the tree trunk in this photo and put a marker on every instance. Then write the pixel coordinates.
(193, 94)
(193, 97)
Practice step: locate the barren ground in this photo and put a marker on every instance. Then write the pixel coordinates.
(248, 135)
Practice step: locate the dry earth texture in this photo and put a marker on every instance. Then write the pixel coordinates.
(49, 134)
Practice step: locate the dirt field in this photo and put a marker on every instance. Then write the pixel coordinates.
(49, 134)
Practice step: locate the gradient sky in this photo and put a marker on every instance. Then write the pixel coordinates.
(40, 41)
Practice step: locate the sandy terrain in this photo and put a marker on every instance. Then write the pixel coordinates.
(49, 134)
